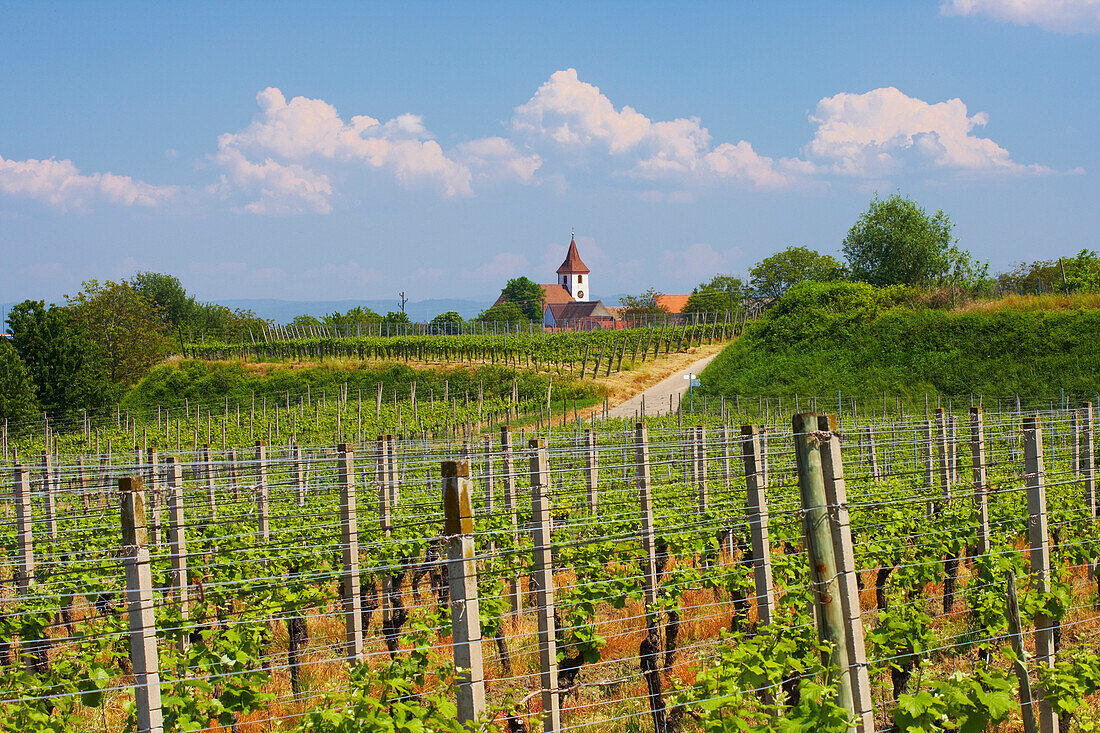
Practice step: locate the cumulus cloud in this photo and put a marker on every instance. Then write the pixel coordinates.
(573, 114)
(1061, 16)
(288, 134)
(60, 183)
(877, 133)
(497, 158)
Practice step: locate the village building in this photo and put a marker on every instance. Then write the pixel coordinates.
(568, 304)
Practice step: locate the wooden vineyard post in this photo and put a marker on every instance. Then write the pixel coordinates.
(154, 492)
(875, 473)
(50, 495)
(349, 530)
(487, 485)
(1088, 469)
(1040, 555)
(929, 471)
(819, 545)
(544, 585)
(756, 506)
(981, 490)
(1075, 443)
(24, 576)
(1019, 665)
(651, 645)
(211, 489)
(591, 469)
(724, 437)
(391, 469)
(700, 453)
(765, 456)
(944, 455)
(139, 602)
(177, 537)
(509, 476)
(299, 476)
(837, 495)
(261, 493)
(462, 578)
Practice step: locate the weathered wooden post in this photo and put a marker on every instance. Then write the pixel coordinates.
(261, 494)
(177, 537)
(724, 438)
(836, 494)
(875, 473)
(981, 489)
(462, 578)
(299, 476)
(1019, 664)
(1040, 555)
(509, 476)
(139, 602)
(24, 575)
(544, 585)
(700, 453)
(651, 645)
(591, 469)
(817, 530)
(756, 508)
(49, 494)
(154, 492)
(488, 477)
(929, 471)
(1088, 468)
(349, 529)
(944, 456)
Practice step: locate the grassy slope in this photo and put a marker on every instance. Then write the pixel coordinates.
(821, 338)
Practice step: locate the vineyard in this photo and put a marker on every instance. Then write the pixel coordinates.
(562, 352)
(920, 571)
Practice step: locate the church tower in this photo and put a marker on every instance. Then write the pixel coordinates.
(573, 275)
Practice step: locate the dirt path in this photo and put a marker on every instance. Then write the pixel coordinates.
(664, 393)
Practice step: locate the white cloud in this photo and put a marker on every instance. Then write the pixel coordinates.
(61, 184)
(1061, 16)
(879, 132)
(306, 129)
(497, 158)
(282, 189)
(575, 115)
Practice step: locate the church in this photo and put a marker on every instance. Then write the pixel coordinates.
(567, 304)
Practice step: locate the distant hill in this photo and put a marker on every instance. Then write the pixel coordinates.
(282, 311)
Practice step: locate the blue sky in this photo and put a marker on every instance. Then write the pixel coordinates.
(334, 150)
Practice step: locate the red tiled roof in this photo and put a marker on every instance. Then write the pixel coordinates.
(572, 264)
(673, 303)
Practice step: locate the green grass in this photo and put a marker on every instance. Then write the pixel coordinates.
(824, 338)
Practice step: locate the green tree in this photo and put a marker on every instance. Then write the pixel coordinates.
(66, 368)
(125, 324)
(354, 317)
(167, 294)
(527, 294)
(775, 275)
(17, 399)
(396, 317)
(895, 242)
(722, 294)
(506, 312)
(639, 307)
(449, 317)
(304, 320)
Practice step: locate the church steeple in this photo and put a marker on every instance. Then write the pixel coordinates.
(573, 273)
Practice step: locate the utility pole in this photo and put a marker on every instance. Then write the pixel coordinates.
(404, 300)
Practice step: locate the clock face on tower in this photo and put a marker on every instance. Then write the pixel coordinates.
(580, 293)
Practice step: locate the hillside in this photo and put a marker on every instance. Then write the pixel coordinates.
(821, 338)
